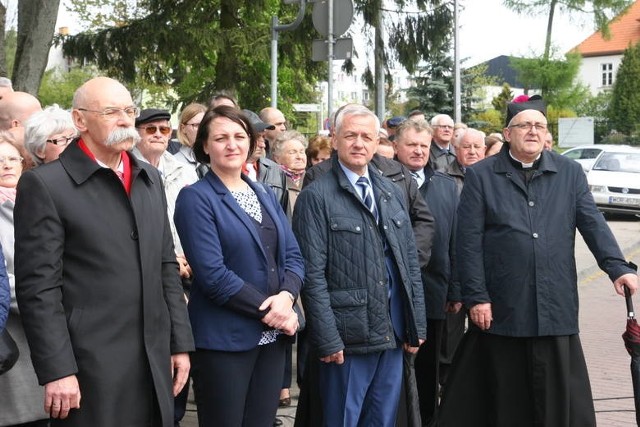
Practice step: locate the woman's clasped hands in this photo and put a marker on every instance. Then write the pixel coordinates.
(280, 313)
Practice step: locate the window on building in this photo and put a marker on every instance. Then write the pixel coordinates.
(354, 96)
(365, 95)
(607, 74)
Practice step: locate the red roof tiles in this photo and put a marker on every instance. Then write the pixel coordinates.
(624, 30)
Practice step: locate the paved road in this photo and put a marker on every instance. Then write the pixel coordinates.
(602, 320)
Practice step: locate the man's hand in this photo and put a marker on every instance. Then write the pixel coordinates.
(180, 365)
(60, 396)
(629, 280)
(337, 358)
(185, 270)
(280, 308)
(453, 307)
(481, 315)
(412, 350)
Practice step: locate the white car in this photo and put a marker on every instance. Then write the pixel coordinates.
(587, 155)
(614, 181)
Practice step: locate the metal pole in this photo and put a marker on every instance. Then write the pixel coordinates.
(274, 62)
(380, 91)
(456, 90)
(274, 48)
(330, 58)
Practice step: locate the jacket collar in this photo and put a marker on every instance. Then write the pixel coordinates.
(378, 183)
(504, 165)
(80, 167)
(228, 199)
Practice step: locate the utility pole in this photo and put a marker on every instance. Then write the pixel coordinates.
(379, 65)
(456, 55)
(275, 27)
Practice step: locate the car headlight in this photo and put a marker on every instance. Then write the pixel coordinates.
(598, 188)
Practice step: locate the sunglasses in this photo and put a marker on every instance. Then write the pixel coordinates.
(150, 130)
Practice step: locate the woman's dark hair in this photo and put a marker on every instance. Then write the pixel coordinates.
(230, 113)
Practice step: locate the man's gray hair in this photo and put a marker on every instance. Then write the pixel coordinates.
(285, 136)
(41, 125)
(435, 120)
(460, 134)
(354, 110)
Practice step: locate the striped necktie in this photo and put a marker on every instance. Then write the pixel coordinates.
(417, 177)
(367, 196)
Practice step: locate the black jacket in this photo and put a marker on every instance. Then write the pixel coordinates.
(98, 287)
(516, 243)
(345, 292)
(421, 218)
(439, 190)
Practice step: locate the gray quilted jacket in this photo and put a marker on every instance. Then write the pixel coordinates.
(345, 291)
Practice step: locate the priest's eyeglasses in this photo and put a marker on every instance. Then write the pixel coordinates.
(528, 126)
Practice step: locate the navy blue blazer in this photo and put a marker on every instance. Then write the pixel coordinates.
(229, 263)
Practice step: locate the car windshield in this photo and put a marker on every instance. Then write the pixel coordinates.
(619, 162)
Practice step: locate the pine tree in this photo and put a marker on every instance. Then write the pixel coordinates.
(500, 102)
(624, 110)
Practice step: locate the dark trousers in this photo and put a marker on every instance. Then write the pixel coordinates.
(235, 389)
(180, 404)
(288, 366)
(452, 335)
(363, 391)
(427, 367)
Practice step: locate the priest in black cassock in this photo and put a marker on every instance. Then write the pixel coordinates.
(521, 362)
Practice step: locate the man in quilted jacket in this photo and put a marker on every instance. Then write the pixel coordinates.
(362, 293)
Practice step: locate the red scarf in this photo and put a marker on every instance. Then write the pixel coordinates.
(126, 163)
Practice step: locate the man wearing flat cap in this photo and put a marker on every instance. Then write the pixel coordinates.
(521, 362)
(154, 129)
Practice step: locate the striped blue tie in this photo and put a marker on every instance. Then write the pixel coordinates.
(367, 196)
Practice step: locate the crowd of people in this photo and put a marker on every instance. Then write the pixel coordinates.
(424, 270)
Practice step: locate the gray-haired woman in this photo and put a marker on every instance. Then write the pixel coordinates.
(47, 134)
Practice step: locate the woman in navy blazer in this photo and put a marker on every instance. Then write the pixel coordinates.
(247, 271)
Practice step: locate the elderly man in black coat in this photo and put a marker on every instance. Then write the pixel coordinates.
(521, 363)
(96, 274)
(412, 143)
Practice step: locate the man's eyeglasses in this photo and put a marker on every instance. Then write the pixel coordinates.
(540, 127)
(112, 113)
(11, 160)
(445, 127)
(63, 141)
(150, 130)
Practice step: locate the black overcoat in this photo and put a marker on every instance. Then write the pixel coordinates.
(98, 287)
(516, 243)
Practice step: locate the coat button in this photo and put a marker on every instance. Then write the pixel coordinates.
(531, 203)
(357, 228)
(134, 235)
(386, 338)
(535, 235)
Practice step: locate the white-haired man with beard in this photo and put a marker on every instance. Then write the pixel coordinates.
(96, 275)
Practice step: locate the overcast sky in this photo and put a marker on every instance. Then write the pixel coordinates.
(487, 30)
